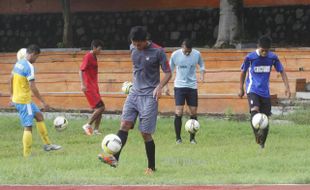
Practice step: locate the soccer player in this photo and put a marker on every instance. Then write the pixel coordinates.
(22, 83)
(185, 61)
(142, 101)
(258, 64)
(89, 85)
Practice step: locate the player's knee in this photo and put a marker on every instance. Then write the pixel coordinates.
(39, 117)
(254, 111)
(126, 125)
(146, 137)
(179, 112)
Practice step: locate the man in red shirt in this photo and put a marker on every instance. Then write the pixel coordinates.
(89, 85)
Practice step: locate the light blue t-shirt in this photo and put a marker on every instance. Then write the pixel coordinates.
(186, 68)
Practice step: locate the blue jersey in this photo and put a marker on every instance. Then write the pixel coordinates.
(186, 68)
(146, 68)
(259, 72)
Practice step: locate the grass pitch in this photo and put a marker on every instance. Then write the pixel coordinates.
(226, 153)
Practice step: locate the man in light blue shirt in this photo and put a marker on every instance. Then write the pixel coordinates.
(184, 61)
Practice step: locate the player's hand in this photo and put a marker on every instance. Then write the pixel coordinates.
(11, 104)
(83, 88)
(45, 106)
(157, 92)
(166, 90)
(241, 93)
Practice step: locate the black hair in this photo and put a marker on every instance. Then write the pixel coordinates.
(187, 43)
(96, 43)
(33, 48)
(138, 33)
(264, 42)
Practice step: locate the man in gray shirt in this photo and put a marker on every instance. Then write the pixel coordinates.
(142, 101)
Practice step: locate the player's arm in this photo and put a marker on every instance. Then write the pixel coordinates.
(167, 75)
(202, 68)
(242, 79)
(11, 85)
(163, 82)
(244, 67)
(83, 86)
(287, 86)
(83, 67)
(37, 94)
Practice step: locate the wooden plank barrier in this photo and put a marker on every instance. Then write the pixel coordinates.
(57, 78)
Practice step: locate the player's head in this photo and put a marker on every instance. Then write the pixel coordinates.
(96, 46)
(138, 37)
(187, 46)
(33, 52)
(264, 44)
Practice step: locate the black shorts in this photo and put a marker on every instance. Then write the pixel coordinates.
(188, 94)
(264, 104)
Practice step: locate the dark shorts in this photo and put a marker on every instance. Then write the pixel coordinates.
(264, 104)
(94, 99)
(189, 95)
(146, 107)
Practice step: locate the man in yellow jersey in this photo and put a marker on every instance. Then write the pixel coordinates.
(22, 84)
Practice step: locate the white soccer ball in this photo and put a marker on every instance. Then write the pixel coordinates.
(21, 54)
(260, 121)
(60, 123)
(111, 144)
(192, 126)
(126, 87)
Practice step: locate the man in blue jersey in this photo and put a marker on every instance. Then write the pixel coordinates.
(258, 64)
(185, 60)
(142, 101)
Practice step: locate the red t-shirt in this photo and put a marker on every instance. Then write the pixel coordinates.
(89, 67)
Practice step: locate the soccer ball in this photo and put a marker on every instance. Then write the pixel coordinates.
(260, 121)
(60, 123)
(111, 144)
(192, 126)
(126, 87)
(21, 54)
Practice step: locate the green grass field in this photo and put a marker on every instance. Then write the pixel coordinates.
(225, 154)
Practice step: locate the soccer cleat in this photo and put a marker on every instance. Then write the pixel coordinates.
(49, 147)
(96, 132)
(178, 141)
(88, 129)
(149, 171)
(110, 160)
(193, 141)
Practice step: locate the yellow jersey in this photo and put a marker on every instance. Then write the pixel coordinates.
(23, 72)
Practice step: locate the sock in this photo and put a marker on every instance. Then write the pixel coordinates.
(150, 153)
(254, 130)
(178, 126)
(192, 135)
(264, 135)
(123, 136)
(27, 143)
(43, 132)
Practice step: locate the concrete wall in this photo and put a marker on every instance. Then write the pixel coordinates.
(288, 25)
(54, 6)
